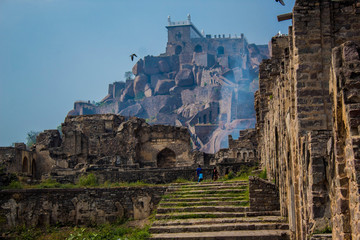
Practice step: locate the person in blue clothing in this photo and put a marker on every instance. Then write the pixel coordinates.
(198, 170)
(201, 177)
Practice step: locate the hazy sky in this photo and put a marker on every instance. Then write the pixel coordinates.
(55, 52)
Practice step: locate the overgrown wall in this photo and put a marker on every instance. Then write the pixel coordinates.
(42, 207)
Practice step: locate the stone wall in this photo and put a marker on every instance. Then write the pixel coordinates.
(302, 136)
(344, 149)
(18, 160)
(112, 142)
(44, 207)
(264, 195)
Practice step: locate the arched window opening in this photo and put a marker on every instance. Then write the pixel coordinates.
(166, 158)
(178, 50)
(220, 50)
(25, 165)
(198, 49)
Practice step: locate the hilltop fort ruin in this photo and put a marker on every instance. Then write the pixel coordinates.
(307, 120)
(203, 82)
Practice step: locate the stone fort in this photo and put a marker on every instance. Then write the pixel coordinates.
(307, 122)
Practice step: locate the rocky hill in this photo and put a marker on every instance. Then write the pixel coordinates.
(205, 83)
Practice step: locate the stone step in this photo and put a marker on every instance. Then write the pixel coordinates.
(236, 235)
(217, 188)
(209, 183)
(209, 209)
(203, 195)
(323, 236)
(204, 203)
(220, 227)
(188, 215)
(200, 221)
(202, 199)
(208, 191)
(209, 186)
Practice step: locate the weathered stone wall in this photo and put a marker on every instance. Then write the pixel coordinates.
(295, 123)
(264, 195)
(18, 160)
(111, 142)
(43, 207)
(345, 161)
(243, 149)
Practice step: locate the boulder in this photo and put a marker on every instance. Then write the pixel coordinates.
(128, 92)
(139, 83)
(155, 78)
(138, 67)
(133, 110)
(184, 78)
(163, 86)
(151, 65)
(148, 91)
(164, 66)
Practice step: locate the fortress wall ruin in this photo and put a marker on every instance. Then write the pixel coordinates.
(305, 138)
(88, 206)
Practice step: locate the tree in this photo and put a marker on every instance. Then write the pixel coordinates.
(31, 138)
(128, 75)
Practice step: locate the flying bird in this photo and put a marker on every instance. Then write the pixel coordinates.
(281, 2)
(132, 56)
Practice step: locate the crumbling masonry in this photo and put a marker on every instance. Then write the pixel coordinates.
(308, 113)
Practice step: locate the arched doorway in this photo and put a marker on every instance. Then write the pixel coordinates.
(25, 165)
(198, 49)
(178, 50)
(33, 168)
(166, 158)
(220, 50)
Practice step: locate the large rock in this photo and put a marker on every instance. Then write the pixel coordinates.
(139, 83)
(164, 66)
(155, 78)
(148, 91)
(184, 78)
(163, 86)
(151, 65)
(138, 67)
(128, 92)
(134, 110)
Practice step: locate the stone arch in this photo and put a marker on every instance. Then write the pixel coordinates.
(33, 168)
(198, 49)
(166, 158)
(25, 165)
(220, 50)
(178, 49)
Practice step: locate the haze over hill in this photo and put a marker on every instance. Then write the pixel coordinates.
(203, 82)
(54, 53)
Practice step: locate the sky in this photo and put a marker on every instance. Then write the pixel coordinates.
(56, 52)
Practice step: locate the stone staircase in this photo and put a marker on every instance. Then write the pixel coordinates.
(218, 210)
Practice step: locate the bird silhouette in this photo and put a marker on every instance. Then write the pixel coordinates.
(281, 2)
(132, 56)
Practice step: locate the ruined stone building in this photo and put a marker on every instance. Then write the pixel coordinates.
(307, 111)
(203, 82)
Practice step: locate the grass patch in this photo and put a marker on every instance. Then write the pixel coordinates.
(14, 185)
(89, 180)
(327, 229)
(263, 174)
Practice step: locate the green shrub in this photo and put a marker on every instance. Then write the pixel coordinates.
(263, 174)
(88, 180)
(15, 185)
